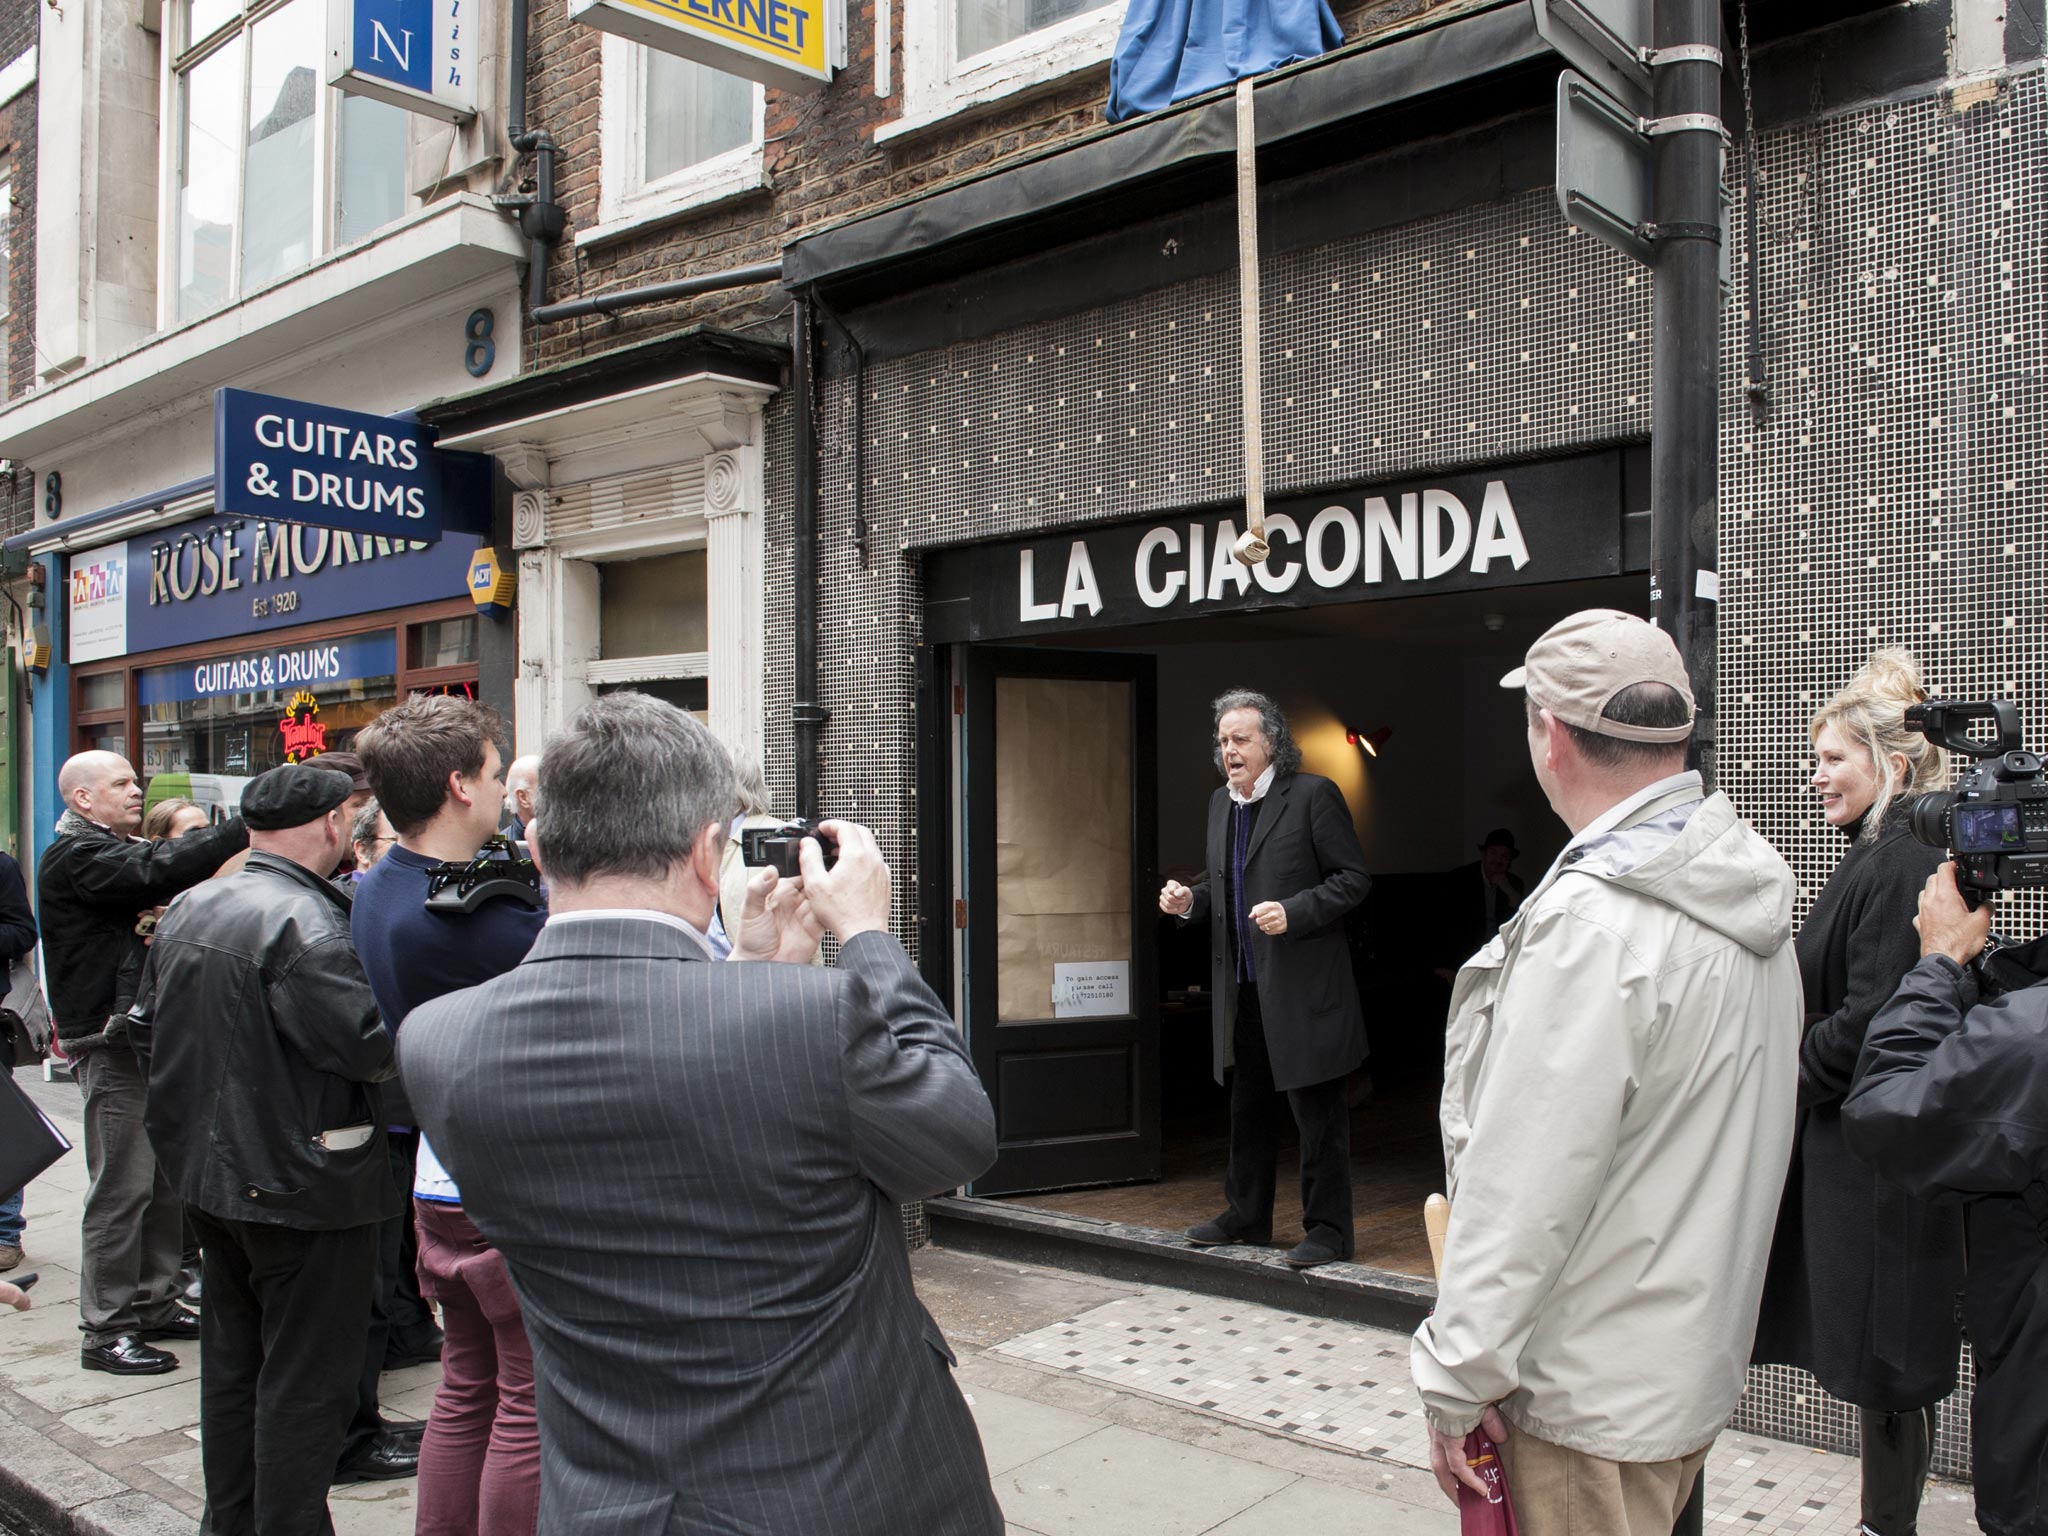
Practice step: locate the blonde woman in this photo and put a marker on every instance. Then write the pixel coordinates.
(1863, 1276)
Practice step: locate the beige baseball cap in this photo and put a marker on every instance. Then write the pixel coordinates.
(1579, 664)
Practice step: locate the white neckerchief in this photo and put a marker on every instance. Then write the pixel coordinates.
(1258, 790)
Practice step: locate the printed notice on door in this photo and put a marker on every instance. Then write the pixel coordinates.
(1091, 989)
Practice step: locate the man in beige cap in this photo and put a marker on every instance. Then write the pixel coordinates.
(1617, 1113)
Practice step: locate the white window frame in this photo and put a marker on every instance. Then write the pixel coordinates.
(936, 86)
(625, 204)
(180, 50)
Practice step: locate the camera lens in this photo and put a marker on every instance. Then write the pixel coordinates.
(1929, 817)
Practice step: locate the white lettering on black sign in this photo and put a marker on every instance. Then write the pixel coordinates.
(1419, 536)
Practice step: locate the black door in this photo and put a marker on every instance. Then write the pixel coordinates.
(1062, 1007)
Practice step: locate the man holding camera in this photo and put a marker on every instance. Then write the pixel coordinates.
(263, 1049)
(1951, 1098)
(694, 1169)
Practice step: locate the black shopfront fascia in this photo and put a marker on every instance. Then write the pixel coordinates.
(1526, 524)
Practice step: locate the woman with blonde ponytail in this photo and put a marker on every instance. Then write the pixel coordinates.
(1863, 1276)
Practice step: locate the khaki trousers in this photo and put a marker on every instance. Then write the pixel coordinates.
(1557, 1492)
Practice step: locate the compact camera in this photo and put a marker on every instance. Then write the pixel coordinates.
(776, 847)
(1994, 823)
(501, 869)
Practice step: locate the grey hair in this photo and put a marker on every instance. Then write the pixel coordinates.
(1286, 754)
(752, 785)
(364, 828)
(629, 788)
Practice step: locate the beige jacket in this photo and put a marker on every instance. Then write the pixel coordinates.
(1617, 1119)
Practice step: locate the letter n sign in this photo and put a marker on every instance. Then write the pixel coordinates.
(415, 54)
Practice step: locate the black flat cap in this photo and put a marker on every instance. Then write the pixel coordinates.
(292, 795)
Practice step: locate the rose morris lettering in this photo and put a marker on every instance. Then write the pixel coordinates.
(217, 559)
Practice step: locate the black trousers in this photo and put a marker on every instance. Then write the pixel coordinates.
(1320, 1115)
(396, 1306)
(280, 1378)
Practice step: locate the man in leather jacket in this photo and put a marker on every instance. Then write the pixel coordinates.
(1951, 1098)
(264, 1047)
(95, 879)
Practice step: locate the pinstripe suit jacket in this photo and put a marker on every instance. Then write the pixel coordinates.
(692, 1170)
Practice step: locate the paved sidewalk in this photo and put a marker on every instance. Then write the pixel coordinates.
(1106, 1409)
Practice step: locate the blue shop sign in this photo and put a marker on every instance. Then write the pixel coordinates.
(320, 664)
(221, 576)
(301, 463)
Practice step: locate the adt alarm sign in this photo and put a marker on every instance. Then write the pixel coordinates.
(413, 54)
(291, 462)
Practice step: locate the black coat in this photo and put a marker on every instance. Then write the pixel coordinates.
(1863, 1276)
(1304, 854)
(1951, 1098)
(17, 920)
(91, 886)
(258, 1032)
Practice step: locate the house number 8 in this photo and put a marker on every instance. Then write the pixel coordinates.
(480, 350)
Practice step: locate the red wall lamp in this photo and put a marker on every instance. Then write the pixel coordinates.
(1370, 741)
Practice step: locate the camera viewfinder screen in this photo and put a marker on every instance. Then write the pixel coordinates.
(1988, 829)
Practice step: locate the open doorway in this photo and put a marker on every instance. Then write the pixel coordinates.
(1398, 703)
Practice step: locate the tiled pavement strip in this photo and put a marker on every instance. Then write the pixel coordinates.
(1107, 1410)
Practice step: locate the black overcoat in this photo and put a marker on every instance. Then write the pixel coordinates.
(1863, 1276)
(1304, 854)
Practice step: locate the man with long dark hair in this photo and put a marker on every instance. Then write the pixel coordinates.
(1284, 869)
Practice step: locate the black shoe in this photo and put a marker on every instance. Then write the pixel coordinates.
(127, 1356)
(181, 1324)
(189, 1285)
(1214, 1234)
(379, 1459)
(420, 1346)
(1312, 1252)
(407, 1432)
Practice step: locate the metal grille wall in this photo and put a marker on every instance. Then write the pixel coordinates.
(1889, 498)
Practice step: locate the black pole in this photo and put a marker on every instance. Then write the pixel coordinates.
(1685, 418)
(806, 714)
(660, 293)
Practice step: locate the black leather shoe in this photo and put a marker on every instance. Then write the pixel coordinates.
(1214, 1234)
(181, 1324)
(127, 1356)
(378, 1459)
(1313, 1252)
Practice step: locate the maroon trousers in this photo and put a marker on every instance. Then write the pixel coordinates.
(480, 1458)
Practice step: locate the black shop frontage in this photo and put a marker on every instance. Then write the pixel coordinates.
(1066, 768)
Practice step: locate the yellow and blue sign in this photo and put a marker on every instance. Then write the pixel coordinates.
(492, 581)
(793, 45)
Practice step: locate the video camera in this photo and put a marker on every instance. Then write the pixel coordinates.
(1994, 823)
(777, 847)
(501, 868)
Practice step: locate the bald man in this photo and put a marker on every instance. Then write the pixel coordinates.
(93, 882)
(522, 795)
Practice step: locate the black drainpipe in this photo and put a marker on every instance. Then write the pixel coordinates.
(807, 715)
(541, 218)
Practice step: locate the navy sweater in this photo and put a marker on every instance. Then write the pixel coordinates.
(412, 955)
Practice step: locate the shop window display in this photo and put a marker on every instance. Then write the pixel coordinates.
(239, 735)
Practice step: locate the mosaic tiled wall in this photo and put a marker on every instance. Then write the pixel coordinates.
(1893, 494)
